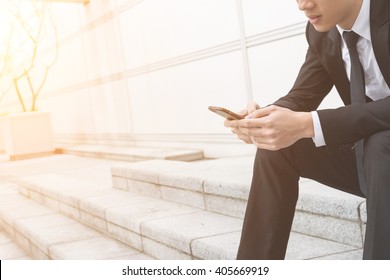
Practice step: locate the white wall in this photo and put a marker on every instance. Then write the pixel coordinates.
(144, 72)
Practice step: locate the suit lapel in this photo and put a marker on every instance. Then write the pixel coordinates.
(380, 28)
(335, 64)
(379, 16)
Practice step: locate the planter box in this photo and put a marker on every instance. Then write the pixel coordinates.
(27, 135)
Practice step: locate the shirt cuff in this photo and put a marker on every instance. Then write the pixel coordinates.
(318, 138)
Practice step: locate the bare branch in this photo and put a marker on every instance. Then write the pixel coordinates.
(19, 95)
(27, 53)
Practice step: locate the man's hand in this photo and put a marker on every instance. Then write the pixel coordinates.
(274, 128)
(233, 125)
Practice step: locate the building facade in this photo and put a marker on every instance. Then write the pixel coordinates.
(143, 72)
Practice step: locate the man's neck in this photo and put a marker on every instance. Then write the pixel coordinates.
(349, 21)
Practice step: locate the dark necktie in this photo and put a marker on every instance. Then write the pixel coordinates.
(357, 96)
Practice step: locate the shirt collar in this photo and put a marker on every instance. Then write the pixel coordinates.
(362, 23)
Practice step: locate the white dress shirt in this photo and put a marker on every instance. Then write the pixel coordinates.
(376, 87)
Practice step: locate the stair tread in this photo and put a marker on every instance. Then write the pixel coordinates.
(231, 178)
(9, 250)
(52, 234)
(192, 231)
(85, 183)
(212, 184)
(133, 153)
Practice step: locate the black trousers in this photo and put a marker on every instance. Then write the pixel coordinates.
(274, 193)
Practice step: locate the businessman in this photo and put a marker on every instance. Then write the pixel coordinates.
(347, 148)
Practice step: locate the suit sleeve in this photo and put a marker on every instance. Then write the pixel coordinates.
(311, 86)
(354, 122)
(340, 126)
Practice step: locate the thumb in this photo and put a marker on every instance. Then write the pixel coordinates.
(260, 113)
(252, 106)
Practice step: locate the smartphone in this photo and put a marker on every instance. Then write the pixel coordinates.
(225, 113)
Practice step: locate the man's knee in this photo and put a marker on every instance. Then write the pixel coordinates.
(285, 160)
(377, 161)
(300, 147)
(273, 159)
(377, 146)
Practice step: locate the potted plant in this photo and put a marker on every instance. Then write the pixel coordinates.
(31, 32)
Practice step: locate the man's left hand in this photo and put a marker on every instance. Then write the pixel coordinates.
(273, 128)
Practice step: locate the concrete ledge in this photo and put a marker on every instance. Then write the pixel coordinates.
(132, 153)
(324, 200)
(204, 184)
(331, 214)
(211, 185)
(300, 246)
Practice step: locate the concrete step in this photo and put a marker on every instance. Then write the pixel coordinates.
(43, 233)
(222, 186)
(9, 250)
(161, 229)
(87, 183)
(131, 153)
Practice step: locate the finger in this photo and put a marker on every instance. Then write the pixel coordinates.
(236, 130)
(263, 145)
(243, 112)
(254, 132)
(244, 138)
(262, 112)
(240, 135)
(232, 123)
(253, 123)
(257, 122)
(252, 106)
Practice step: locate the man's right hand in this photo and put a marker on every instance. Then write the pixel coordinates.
(252, 106)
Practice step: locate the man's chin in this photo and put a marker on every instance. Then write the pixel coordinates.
(323, 28)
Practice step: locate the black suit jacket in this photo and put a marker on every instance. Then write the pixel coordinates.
(324, 68)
